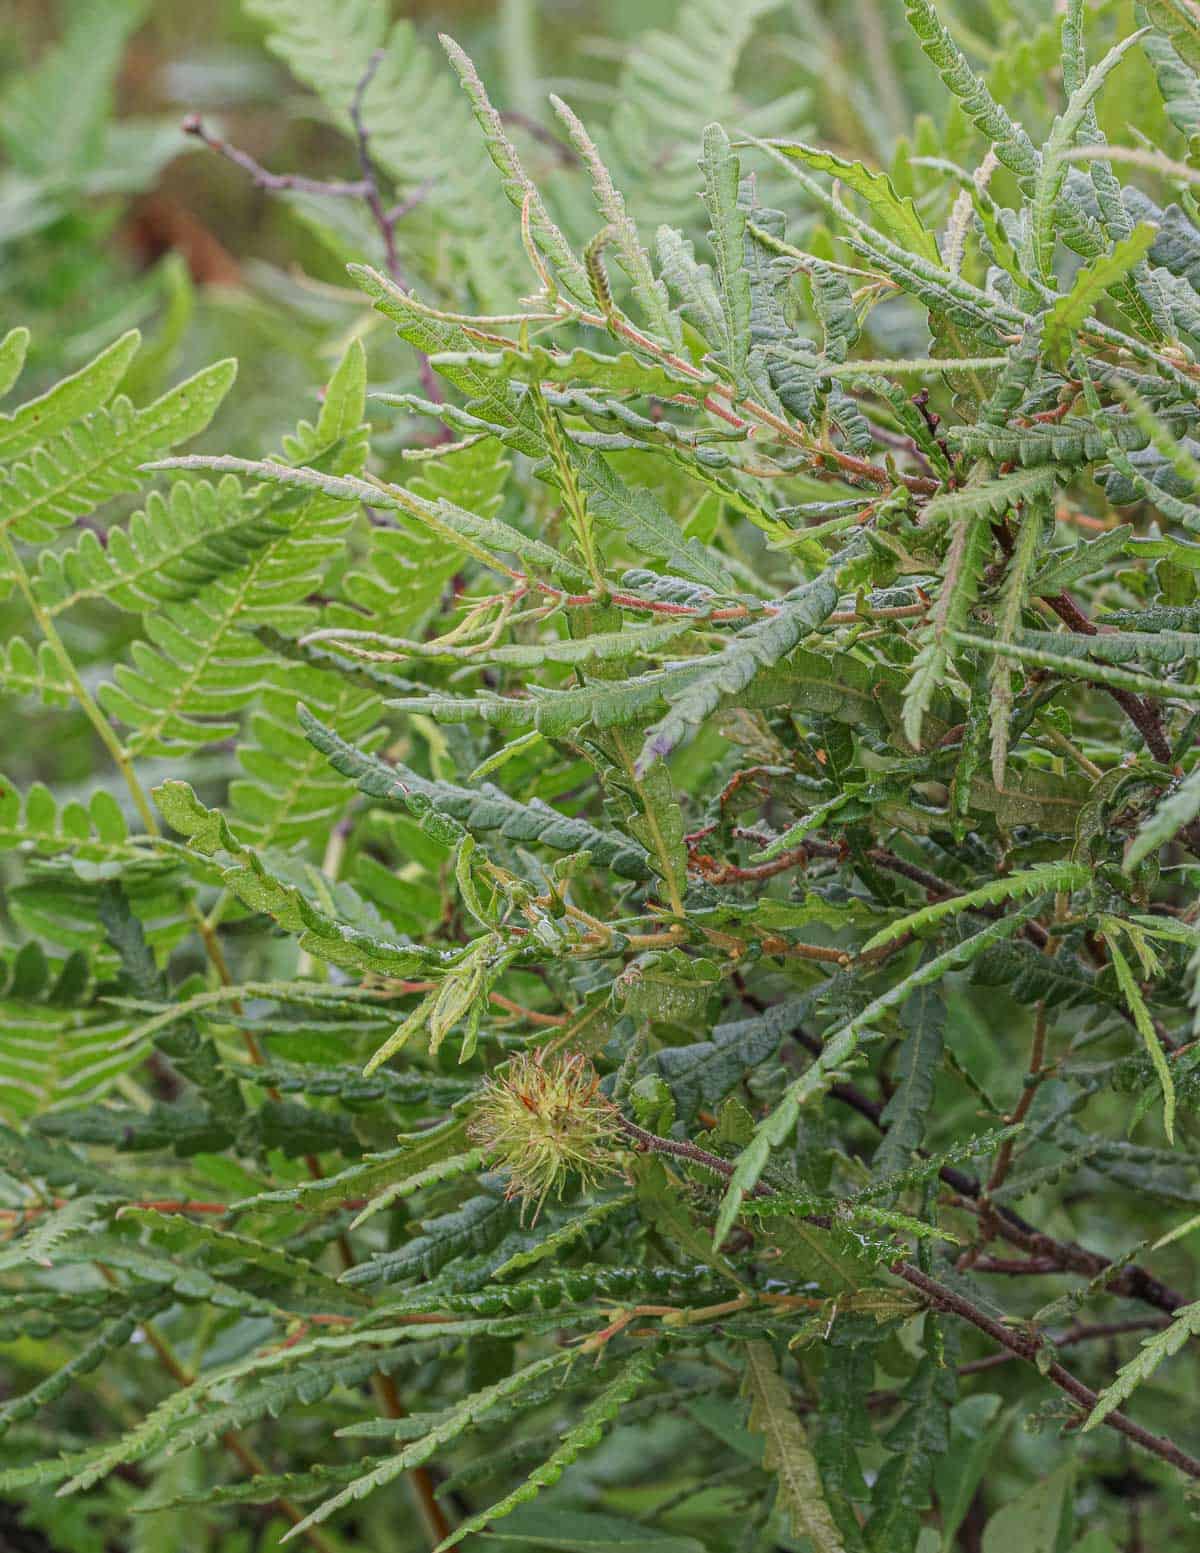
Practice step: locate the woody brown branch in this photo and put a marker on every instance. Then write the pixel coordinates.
(1020, 1344)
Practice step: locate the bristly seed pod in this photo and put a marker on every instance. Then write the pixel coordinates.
(544, 1120)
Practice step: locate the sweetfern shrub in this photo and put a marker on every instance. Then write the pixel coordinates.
(679, 1029)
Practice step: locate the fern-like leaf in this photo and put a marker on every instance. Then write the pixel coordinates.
(99, 456)
(759, 646)
(453, 1423)
(1155, 1349)
(588, 1432)
(786, 1451)
(773, 1131)
(1038, 880)
(480, 811)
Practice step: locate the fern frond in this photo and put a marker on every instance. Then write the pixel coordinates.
(29, 671)
(672, 85)
(613, 732)
(166, 552)
(477, 537)
(204, 658)
(94, 832)
(99, 456)
(289, 794)
(52, 118)
(13, 347)
(52, 1056)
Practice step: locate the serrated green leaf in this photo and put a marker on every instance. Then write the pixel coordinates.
(896, 216)
(786, 1452)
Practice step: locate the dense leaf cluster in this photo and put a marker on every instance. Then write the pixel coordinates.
(735, 727)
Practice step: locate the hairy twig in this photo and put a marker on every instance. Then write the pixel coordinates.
(1020, 1344)
(1096, 1332)
(1132, 1282)
(682, 1149)
(1023, 1346)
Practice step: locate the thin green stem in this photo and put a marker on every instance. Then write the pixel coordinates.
(87, 702)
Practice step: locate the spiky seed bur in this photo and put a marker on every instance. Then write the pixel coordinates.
(544, 1120)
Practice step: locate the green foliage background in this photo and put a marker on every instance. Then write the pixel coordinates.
(718, 603)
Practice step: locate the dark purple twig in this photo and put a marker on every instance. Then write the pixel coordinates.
(398, 212)
(370, 177)
(365, 188)
(275, 183)
(386, 219)
(1023, 1346)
